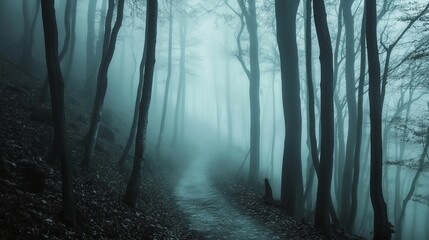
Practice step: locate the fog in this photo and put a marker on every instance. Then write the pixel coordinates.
(213, 122)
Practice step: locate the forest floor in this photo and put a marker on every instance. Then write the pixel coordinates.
(30, 188)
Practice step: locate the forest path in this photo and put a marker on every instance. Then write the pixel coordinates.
(210, 212)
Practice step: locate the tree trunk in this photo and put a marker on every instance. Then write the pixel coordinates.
(273, 137)
(254, 77)
(167, 82)
(339, 145)
(351, 105)
(382, 227)
(57, 99)
(133, 130)
(90, 88)
(72, 41)
(182, 77)
(359, 125)
(228, 98)
(327, 117)
(67, 26)
(109, 49)
(151, 25)
(312, 141)
(292, 183)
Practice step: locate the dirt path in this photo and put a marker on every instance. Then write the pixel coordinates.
(210, 212)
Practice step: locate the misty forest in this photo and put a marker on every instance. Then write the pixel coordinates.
(216, 119)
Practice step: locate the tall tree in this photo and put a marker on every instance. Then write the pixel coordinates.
(57, 100)
(351, 105)
(247, 16)
(291, 183)
(382, 227)
(149, 62)
(249, 13)
(359, 124)
(312, 141)
(183, 29)
(228, 97)
(66, 45)
(167, 82)
(133, 130)
(108, 51)
(326, 117)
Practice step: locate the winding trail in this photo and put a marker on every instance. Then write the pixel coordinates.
(209, 212)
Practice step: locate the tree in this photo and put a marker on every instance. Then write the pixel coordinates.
(133, 129)
(249, 13)
(149, 61)
(291, 185)
(167, 82)
(382, 227)
(326, 118)
(108, 51)
(183, 29)
(247, 16)
(359, 124)
(351, 105)
(57, 99)
(69, 8)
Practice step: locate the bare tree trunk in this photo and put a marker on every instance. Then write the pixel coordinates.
(351, 105)
(253, 74)
(292, 183)
(183, 109)
(228, 98)
(382, 227)
(151, 25)
(182, 77)
(339, 145)
(67, 14)
(273, 137)
(312, 141)
(133, 130)
(108, 51)
(359, 125)
(327, 117)
(167, 82)
(57, 99)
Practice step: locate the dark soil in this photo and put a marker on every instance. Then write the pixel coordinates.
(30, 189)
